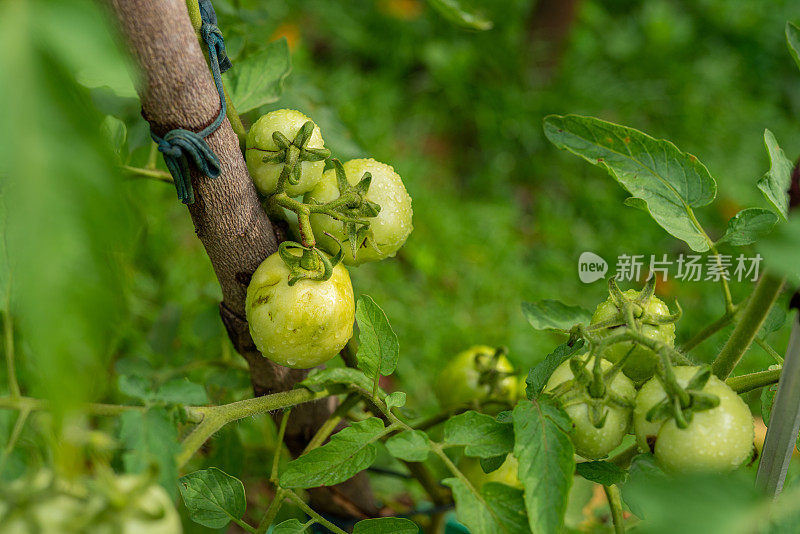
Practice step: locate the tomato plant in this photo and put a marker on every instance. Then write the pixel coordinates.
(162, 380)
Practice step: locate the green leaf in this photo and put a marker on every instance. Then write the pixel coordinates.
(546, 461)
(776, 318)
(181, 391)
(411, 445)
(348, 452)
(473, 511)
(554, 315)
(290, 526)
(258, 79)
(508, 505)
(481, 434)
(539, 375)
(748, 226)
(150, 438)
(212, 497)
(454, 11)
(115, 131)
(492, 464)
(642, 472)
(386, 525)
(780, 251)
(135, 386)
(793, 41)
(320, 379)
(768, 401)
(395, 400)
(669, 182)
(378, 348)
(601, 472)
(775, 184)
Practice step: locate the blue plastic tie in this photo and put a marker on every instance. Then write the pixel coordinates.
(179, 146)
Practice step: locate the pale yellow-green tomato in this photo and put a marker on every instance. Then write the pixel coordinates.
(390, 228)
(460, 381)
(303, 325)
(590, 442)
(505, 474)
(145, 511)
(259, 143)
(719, 439)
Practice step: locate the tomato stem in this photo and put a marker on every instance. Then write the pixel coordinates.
(615, 503)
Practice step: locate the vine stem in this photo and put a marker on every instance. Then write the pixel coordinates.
(276, 460)
(311, 513)
(154, 174)
(193, 7)
(755, 312)
(11, 369)
(744, 383)
(272, 511)
(615, 503)
(214, 418)
(37, 405)
(761, 342)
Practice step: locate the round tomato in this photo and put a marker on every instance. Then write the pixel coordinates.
(505, 474)
(718, 439)
(260, 144)
(589, 441)
(302, 325)
(642, 362)
(460, 381)
(390, 227)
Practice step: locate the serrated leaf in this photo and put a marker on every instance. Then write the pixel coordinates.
(454, 11)
(554, 315)
(135, 386)
(395, 400)
(508, 505)
(670, 182)
(150, 438)
(258, 79)
(482, 435)
(348, 452)
(539, 375)
(775, 183)
(748, 226)
(411, 445)
(181, 391)
(793, 41)
(601, 472)
(378, 348)
(291, 526)
(386, 525)
(472, 511)
(320, 379)
(213, 497)
(546, 461)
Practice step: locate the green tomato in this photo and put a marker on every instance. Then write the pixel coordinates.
(390, 227)
(718, 439)
(591, 442)
(505, 474)
(125, 504)
(259, 143)
(459, 383)
(642, 362)
(302, 325)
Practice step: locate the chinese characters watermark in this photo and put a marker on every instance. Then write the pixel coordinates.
(686, 267)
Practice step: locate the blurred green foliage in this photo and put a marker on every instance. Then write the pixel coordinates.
(115, 283)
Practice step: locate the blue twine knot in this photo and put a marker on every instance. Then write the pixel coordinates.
(179, 146)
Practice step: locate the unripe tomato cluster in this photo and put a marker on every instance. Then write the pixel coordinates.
(477, 375)
(715, 438)
(304, 321)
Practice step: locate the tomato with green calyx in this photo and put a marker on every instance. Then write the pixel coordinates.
(301, 325)
(642, 362)
(716, 439)
(589, 441)
(505, 474)
(389, 228)
(260, 144)
(476, 376)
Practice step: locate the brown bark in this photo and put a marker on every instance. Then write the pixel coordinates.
(549, 27)
(178, 92)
